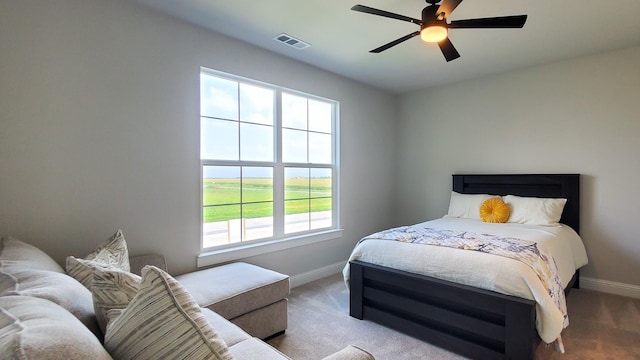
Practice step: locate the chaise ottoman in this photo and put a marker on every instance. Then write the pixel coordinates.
(249, 296)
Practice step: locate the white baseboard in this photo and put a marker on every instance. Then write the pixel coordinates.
(316, 274)
(605, 286)
(610, 287)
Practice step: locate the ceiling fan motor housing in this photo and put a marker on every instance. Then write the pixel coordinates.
(429, 17)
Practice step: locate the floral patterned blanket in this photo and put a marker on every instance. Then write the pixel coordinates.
(527, 252)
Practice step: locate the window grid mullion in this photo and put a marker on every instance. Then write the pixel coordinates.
(309, 199)
(278, 173)
(307, 133)
(242, 233)
(239, 135)
(278, 166)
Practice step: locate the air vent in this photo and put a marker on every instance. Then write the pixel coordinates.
(291, 41)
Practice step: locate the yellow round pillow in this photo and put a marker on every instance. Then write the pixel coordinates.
(494, 210)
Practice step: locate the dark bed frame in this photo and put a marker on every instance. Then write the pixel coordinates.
(472, 322)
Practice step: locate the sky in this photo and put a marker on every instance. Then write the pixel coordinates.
(244, 130)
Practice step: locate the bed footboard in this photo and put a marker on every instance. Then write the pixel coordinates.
(472, 322)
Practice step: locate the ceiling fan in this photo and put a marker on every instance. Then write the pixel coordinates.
(434, 26)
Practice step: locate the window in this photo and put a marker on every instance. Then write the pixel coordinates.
(268, 161)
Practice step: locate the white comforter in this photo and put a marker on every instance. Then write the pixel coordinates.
(486, 271)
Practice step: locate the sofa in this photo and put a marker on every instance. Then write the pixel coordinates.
(45, 313)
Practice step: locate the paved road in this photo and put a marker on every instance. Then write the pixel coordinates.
(225, 232)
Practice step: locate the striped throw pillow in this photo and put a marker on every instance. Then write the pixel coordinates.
(163, 322)
(112, 253)
(112, 289)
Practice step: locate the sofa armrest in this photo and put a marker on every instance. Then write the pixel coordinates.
(350, 353)
(140, 261)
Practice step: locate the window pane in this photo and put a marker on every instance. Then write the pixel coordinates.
(218, 97)
(256, 142)
(218, 139)
(257, 185)
(256, 104)
(320, 116)
(246, 136)
(320, 213)
(220, 232)
(221, 185)
(257, 210)
(296, 183)
(257, 220)
(296, 216)
(320, 183)
(294, 146)
(294, 111)
(319, 148)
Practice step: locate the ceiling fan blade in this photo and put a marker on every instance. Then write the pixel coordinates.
(370, 10)
(446, 8)
(394, 43)
(516, 21)
(448, 50)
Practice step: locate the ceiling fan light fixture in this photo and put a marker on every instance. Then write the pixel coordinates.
(434, 33)
(434, 27)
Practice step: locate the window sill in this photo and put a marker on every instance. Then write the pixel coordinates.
(243, 251)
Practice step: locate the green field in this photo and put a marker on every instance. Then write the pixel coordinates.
(221, 197)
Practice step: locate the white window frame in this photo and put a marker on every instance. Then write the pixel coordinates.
(280, 240)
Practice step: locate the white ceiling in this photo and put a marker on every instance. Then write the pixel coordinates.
(341, 38)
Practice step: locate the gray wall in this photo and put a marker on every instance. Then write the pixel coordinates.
(99, 129)
(577, 116)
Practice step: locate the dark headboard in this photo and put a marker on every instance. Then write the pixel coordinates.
(565, 186)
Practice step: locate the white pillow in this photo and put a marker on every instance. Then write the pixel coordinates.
(466, 205)
(535, 211)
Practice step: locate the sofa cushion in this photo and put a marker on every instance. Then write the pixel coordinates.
(16, 255)
(163, 322)
(112, 289)
(235, 289)
(28, 271)
(230, 332)
(55, 287)
(112, 253)
(33, 328)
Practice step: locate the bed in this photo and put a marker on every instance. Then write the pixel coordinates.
(472, 321)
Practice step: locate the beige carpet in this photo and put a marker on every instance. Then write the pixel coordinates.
(602, 327)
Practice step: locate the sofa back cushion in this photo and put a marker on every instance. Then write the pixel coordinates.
(16, 255)
(55, 287)
(27, 271)
(34, 328)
